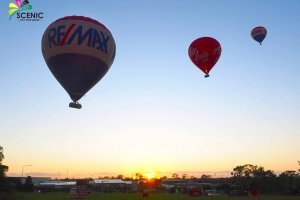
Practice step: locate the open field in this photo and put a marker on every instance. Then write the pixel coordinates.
(122, 196)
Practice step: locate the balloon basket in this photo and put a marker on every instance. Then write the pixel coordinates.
(206, 76)
(75, 105)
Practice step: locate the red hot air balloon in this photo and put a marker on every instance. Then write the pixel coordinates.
(204, 53)
(78, 51)
(259, 33)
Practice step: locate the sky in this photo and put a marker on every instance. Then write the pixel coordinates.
(154, 112)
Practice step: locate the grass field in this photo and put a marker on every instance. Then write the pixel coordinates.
(122, 196)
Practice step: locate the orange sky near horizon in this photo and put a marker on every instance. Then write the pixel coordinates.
(71, 168)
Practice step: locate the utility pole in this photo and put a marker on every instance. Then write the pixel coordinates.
(23, 169)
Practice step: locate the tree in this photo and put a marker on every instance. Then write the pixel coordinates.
(270, 174)
(258, 172)
(1, 155)
(204, 176)
(3, 169)
(185, 176)
(288, 180)
(174, 175)
(120, 176)
(299, 164)
(288, 173)
(164, 177)
(28, 186)
(139, 176)
(254, 177)
(249, 170)
(237, 171)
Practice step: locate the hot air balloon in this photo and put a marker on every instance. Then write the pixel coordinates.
(78, 51)
(204, 53)
(259, 33)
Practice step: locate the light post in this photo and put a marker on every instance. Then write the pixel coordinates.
(23, 169)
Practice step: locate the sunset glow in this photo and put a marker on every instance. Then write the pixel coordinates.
(149, 176)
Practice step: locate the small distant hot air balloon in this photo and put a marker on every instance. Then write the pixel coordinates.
(259, 33)
(204, 53)
(78, 51)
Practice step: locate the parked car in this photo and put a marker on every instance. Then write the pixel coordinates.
(211, 193)
(73, 191)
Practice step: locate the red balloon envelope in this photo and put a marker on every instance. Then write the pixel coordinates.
(205, 53)
(78, 51)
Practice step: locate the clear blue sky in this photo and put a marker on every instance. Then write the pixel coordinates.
(154, 111)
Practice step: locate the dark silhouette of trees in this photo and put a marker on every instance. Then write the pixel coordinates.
(174, 175)
(185, 176)
(3, 171)
(28, 185)
(254, 171)
(5, 192)
(204, 176)
(120, 176)
(1, 154)
(139, 176)
(248, 177)
(290, 182)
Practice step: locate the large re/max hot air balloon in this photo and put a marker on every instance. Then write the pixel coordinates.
(78, 51)
(259, 33)
(204, 53)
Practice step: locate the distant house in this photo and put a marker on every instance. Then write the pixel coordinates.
(183, 185)
(101, 185)
(15, 181)
(111, 181)
(114, 185)
(58, 185)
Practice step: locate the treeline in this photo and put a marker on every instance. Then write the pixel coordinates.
(248, 177)
(243, 178)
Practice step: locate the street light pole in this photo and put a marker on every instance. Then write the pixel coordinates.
(23, 169)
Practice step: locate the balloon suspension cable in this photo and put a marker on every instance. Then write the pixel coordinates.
(75, 104)
(206, 75)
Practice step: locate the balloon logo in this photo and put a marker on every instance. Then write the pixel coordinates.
(78, 51)
(259, 33)
(205, 53)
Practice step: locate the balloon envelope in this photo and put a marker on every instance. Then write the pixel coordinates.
(204, 53)
(259, 33)
(78, 51)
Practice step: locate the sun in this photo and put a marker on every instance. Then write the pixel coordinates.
(149, 176)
